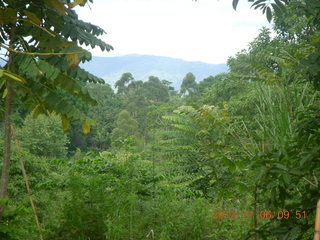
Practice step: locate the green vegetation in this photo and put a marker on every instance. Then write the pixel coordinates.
(228, 157)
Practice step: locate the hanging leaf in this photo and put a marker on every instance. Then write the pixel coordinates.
(11, 76)
(5, 92)
(65, 122)
(85, 127)
(269, 14)
(258, 3)
(73, 60)
(36, 111)
(235, 4)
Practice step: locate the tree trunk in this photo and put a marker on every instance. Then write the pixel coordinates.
(7, 135)
(6, 148)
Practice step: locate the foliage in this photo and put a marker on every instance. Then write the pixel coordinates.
(125, 79)
(44, 60)
(43, 136)
(247, 140)
(189, 85)
(105, 115)
(126, 126)
(199, 142)
(42, 44)
(156, 90)
(267, 7)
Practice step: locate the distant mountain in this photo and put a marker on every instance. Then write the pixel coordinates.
(143, 66)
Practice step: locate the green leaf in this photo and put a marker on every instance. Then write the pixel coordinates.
(33, 18)
(280, 5)
(12, 77)
(261, 5)
(286, 180)
(258, 2)
(57, 5)
(276, 9)
(281, 166)
(36, 111)
(269, 14)
(5, 92)
(7, 15)
(235, 4)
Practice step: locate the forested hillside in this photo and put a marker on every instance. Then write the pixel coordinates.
(233, 156)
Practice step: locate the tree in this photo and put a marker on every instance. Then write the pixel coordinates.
(197, 140)
(43, 136)
(296, 21)
(123, 82)
(105, 114)
(126, 127)
(209, 81)
(189, 85)
(42, 41)
(156, 90)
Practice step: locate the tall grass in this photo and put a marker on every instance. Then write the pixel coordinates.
(278, 107)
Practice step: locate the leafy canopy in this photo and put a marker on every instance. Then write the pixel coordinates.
(43, 40)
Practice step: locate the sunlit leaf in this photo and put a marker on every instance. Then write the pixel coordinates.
(75, 3)
(65, 122)
(85, 127)
(36, 111)
(12, 77)
(67, 44)
(73, 60)
(5, 92)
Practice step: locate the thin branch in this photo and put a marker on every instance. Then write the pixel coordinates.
(315, 179)
(311, 183)
(235, 135)
(38, 54)
(89, 5)
(34, 24)
(25, 177)
(3, 59)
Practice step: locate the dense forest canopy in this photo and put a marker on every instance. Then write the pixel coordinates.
(233, 156)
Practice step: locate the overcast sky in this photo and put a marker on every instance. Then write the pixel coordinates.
(206, 30)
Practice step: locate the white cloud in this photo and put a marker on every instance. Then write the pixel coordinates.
(206, 30)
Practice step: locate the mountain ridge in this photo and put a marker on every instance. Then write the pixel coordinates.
(143, 66)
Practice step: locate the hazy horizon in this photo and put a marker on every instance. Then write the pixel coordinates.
(207, 30)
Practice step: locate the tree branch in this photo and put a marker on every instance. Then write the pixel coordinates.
(37, 53)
